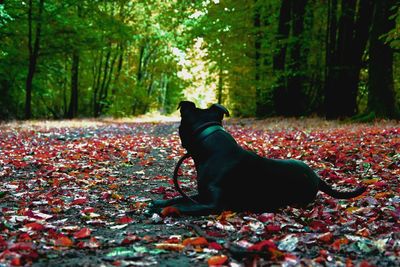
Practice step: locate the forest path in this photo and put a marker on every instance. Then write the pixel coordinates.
(73, 193)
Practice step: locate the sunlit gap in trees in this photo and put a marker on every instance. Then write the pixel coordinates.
(196, 72)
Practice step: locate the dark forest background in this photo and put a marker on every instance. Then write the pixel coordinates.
(80, 58)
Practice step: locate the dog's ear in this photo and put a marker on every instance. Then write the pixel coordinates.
(220, 108)
(186, 105)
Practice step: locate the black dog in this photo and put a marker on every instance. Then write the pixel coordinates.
(231, 178)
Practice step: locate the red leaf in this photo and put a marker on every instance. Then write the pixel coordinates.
(273, 228)
(366, 264)
(158, 190)
(88, 210)
(21, 246)
(35, 226)
(215, 245)
(326, 237)
(124, 220)
(342, 241)
(84, 232)
(263, 245)
(130, 239)
(79, 201)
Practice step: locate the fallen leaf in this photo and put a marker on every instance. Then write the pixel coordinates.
(170, 246)
(64, 242)
(217, 260)
(83, 233)
(195, 241)
(170, 211)
(35, 226)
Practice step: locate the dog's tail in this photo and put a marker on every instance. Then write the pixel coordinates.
(324, 187)
(175, 178)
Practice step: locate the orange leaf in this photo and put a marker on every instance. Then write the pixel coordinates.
(64, 242)
(195, 241)
(84, 232)
(217, 260)
(56, 182)
(382, 195)
(364, 232)
(170, 211)
(225, 215)
(16, 261)
(113, 186)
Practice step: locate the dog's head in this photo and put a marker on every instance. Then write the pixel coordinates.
(194, 120)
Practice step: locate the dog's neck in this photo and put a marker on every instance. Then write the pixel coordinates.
(204, 140)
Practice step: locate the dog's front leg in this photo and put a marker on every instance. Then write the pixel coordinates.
(190, 208)
(210, 205)
(169, 202)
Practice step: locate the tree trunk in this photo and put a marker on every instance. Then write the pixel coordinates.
(295, 103)
(73, 104)
(340, 69)
(344, 56)
(278, 64)
(103, 80)
(283, 34)
(381, 94)
(33, 54)
(289, 97)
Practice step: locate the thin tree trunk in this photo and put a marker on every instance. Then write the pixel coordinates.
(119, 67)
(139, 75)
(73, 105)
(220, 85)
(96, 89)
(33, 54)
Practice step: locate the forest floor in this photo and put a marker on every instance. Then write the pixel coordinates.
(73, 193)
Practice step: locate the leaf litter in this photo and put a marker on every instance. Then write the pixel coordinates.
(75, 192)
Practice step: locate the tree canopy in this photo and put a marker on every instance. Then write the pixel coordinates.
(67, 59)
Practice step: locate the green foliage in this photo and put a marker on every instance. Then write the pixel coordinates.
(137, 56)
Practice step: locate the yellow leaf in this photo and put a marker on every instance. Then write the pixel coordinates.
(170, 246)
(352, 209)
